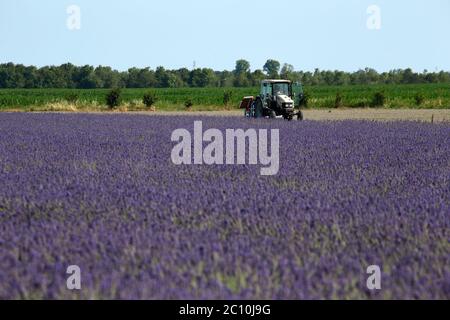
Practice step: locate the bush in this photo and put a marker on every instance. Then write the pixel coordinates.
(304, 100)
(149, 99)
(227, 96)
(419, 99)
(113, 98)
(338, 100)
(378, 100)
(72, 98)
(188, 104)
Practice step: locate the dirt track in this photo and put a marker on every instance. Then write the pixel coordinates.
(437, 115)
(428, 115)
(380, 114)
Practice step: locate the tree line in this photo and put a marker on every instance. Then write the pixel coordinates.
(89, 77)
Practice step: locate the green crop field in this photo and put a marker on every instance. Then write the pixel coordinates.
(395, 96)
(38, 97)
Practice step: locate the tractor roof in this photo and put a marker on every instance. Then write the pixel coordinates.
(276, 81)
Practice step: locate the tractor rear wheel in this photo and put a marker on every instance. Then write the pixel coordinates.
(258, 108)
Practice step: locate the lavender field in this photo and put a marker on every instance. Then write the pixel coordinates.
(101, 192)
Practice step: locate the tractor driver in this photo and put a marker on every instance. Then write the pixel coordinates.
(279, 88)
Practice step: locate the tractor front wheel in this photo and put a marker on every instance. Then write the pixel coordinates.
(272, 114)
(300, 116)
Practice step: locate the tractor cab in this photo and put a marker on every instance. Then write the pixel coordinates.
(272, 88)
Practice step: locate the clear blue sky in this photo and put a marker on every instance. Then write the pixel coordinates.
(327, 34)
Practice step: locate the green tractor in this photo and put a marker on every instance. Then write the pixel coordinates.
(277, 99)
